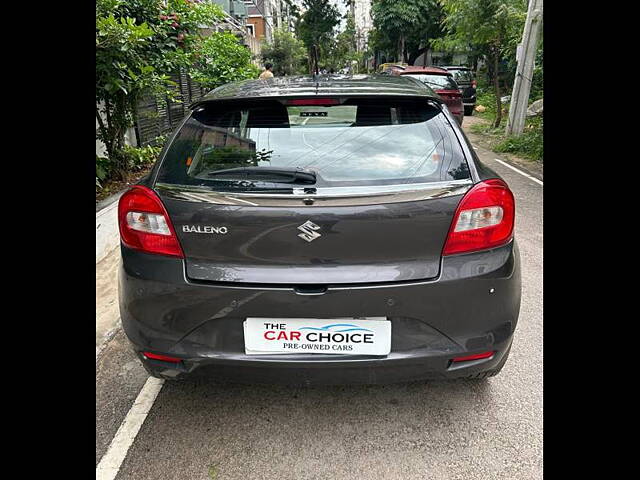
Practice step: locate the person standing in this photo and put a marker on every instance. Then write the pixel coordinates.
(267, 73)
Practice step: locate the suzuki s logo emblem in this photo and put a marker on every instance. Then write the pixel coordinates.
(308, 230)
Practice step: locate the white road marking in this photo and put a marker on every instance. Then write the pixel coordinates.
(519, 171)
(110, 463)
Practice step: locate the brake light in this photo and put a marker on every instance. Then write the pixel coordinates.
(450, 93)
(144, 223)
(484, 219)
(474, 84)
(313, 101)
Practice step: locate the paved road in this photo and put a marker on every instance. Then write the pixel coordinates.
(436, 430)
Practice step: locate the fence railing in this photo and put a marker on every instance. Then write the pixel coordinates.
(157, 117)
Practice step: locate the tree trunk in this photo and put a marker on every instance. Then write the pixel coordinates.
(496, 87)
(413, 56)
(316, 67)
(109, 139)
(401, 48)
(104, 133)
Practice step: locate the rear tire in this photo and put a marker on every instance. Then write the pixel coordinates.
(468, 110)
(493, 372)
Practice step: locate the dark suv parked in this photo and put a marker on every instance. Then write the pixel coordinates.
(337, 229)
(466, 80)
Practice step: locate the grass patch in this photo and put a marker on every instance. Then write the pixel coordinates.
(485, 128)
(488, 101)
(529, 145)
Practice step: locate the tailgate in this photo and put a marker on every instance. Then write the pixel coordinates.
(312, 245)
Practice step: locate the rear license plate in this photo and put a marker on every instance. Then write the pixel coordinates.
(337, 336)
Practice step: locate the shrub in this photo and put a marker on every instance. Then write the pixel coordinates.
(103, 170)
(529, 144)
(137, 158)
(138, 43)
(220, 59)
(130, 159)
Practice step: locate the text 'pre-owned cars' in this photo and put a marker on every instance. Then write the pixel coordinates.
(327, 229)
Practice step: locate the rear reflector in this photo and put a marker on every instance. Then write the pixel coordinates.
(145, 224)
(484, 219)
(163, 358)
(313, 101)
(477, 356)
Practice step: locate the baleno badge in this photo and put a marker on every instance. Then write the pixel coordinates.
(204, 229)
(308, 230)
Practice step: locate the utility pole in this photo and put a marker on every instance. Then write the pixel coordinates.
(525, 57)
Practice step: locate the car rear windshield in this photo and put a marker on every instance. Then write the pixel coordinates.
(354, 143)
(465, 76)
(437, 82)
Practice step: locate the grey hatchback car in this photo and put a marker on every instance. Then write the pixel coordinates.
(332, 229)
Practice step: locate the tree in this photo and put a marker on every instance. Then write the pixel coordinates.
(139, 42)
(219, 59)
(342, 51)
(287, 53)
(121, 75)
(490, 27)
(404, 28)
(315, 27)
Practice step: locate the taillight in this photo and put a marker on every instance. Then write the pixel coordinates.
(484, 219)
(145, 224)
(449, 93)
(474, 84)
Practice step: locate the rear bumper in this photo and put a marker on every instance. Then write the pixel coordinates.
(394, 368)
(471, 307)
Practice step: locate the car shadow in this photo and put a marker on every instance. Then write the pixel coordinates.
(275, 431)
(333, 401)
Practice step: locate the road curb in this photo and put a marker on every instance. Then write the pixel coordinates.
(102, 204)
(477, 140)
(106, 339)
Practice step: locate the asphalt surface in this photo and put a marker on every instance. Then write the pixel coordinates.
(459, 429)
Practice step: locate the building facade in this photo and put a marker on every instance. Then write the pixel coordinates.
(237, 14)
(265, 16)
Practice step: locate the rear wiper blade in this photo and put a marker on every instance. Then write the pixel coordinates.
(267, 174)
